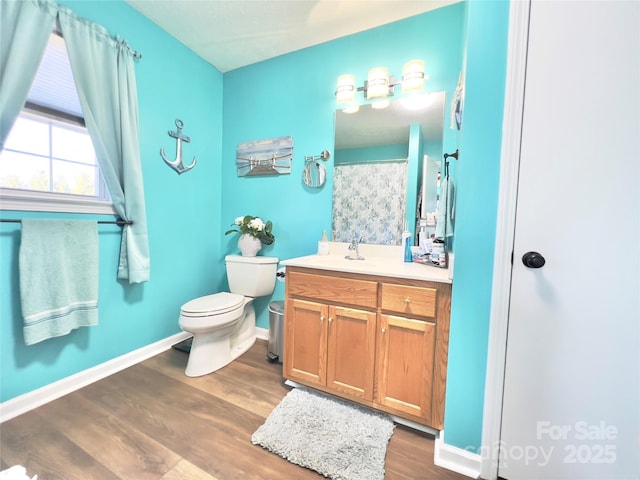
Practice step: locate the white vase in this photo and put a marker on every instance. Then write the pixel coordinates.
(249, 245)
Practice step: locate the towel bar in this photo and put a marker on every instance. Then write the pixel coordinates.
(120, 223)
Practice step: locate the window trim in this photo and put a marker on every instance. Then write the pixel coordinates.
(36, 201)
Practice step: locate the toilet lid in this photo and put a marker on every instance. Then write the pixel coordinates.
(213, 304)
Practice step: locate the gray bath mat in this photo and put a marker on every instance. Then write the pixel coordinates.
(336, 438)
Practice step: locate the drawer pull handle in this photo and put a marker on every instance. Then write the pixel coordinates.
(384, 330)
(407, 301)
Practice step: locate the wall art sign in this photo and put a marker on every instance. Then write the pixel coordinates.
(265, 157)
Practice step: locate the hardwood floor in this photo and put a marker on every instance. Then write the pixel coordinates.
(151, 421)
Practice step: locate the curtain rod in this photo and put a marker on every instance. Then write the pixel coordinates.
(57, 31)
(120, 223)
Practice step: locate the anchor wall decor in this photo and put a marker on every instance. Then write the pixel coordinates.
(177, 164)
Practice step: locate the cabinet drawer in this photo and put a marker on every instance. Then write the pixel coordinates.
(407, 300)
(350, 291)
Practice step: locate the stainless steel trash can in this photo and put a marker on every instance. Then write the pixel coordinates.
(276, 332)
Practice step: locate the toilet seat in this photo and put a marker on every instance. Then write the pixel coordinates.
(211, 305)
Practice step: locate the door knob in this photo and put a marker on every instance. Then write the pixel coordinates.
(533, 260)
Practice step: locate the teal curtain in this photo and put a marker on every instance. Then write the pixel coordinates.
(104, 72)
(25, 27)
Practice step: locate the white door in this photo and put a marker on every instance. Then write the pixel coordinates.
(572, 374)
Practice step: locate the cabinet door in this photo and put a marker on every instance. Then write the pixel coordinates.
(351, 351)
(305, 355)
(404, 364)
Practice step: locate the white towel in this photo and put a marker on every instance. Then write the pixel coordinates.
(58, 264)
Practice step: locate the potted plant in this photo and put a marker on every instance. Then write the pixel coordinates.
(253, 234)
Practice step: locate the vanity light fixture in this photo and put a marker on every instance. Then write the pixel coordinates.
(346, 91)
(351, 108)
(380, 104)
(346, 94)
(379, 86)
(413, 76)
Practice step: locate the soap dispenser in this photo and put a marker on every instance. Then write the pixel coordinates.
(406, 244)
(323, 244)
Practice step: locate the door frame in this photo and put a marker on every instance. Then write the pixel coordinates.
(519, 12)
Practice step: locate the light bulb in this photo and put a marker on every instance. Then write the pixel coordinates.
(346, 91)
(413, 76)
(377, 83)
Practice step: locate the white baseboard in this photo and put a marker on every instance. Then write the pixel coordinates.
(36, 398)
(415, 426)
(456, 459)
(262, 333)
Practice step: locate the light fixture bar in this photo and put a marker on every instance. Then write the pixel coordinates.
(379, 85)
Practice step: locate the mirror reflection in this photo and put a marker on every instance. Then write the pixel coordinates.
(386, 168)
(314, 174)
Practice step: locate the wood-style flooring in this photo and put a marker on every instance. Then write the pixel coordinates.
(151, 421)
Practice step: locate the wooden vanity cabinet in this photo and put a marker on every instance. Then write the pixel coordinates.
(305, 353)
(350, 351)
(406, 349)
(330, 346)
(380, 341)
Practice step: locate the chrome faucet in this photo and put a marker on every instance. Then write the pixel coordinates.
(354, 248)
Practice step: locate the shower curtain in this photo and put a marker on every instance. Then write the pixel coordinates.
(369, 202)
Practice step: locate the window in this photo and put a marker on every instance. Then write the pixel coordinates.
(48, 162)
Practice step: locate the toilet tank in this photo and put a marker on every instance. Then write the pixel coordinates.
(251, 276)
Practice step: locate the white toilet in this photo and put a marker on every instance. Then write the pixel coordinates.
(224, 324)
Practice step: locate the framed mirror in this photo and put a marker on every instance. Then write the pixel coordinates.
(386, 166)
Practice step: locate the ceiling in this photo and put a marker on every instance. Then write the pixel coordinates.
(230, 34)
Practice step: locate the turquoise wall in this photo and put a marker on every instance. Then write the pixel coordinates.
(288, 95)
(476, 207)
(183, 217)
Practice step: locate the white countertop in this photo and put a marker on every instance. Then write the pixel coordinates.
(378, 260)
